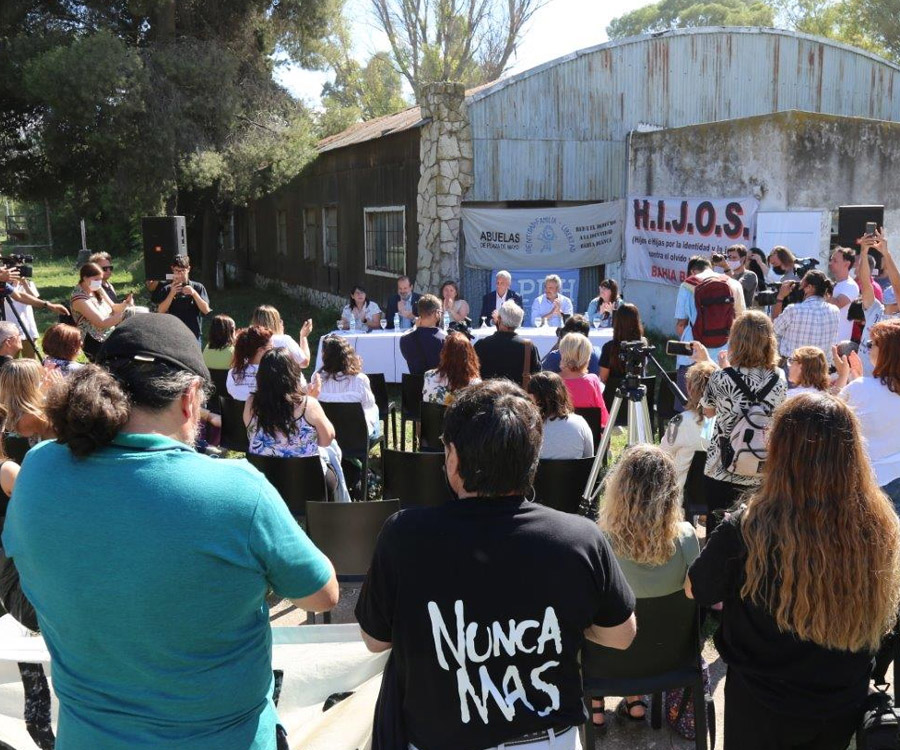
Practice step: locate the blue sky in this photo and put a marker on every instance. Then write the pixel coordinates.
(560, 27)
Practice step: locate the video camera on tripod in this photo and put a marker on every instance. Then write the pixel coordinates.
(20, 262)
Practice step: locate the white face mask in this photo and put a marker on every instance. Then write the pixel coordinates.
(734, 265)
(95, 285)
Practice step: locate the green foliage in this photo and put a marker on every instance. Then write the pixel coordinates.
(114, 109)
(679, 14)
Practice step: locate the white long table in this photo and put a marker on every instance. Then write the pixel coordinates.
(380, 350)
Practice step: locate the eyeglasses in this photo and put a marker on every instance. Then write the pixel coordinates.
(106, 268)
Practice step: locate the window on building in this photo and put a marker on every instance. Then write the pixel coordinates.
(251, 231)
(386, 240)
(330, 235)
(310, 234)
(281, 232)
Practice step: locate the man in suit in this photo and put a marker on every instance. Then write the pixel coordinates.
(502, 354)
(404, 303)
(491, 301)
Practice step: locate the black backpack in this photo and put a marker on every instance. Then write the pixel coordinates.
(880, 725)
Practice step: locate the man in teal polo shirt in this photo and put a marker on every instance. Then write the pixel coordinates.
(148, 563)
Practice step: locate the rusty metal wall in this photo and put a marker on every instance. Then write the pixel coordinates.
(558, 131)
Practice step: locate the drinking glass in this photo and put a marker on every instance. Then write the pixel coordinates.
(483, 321)
(383, 324)
(597, 321)
(538, 321)
(339, 324)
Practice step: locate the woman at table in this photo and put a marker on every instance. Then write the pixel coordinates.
(605, 304)
(365, 314)
(451, 303)
(585, 389)
(627, 327)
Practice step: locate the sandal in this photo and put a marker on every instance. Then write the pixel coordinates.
(625, 706)
(598, 706)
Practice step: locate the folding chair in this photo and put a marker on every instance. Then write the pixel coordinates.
(387, 409)
(298, 480)
(415, 479)
(695, 487)
(352, 432)
(432, 426)
(665, 405)
(664, 655)
(410, 406)
(592, 415)
(559, 483)
(234, 432)
(346, 533)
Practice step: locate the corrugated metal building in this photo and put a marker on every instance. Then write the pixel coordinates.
(560, 133)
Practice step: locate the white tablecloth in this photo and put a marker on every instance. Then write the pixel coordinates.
(380, 350)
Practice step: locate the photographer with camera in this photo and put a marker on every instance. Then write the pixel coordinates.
(9, 274)
(783, 263)
(812, 322)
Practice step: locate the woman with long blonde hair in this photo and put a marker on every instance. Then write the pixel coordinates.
(809, 575)
(642, 518)
(22, 384)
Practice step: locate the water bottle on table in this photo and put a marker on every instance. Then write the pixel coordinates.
(396, 321)
(446, 320)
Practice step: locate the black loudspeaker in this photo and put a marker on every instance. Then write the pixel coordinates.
(164, 238)
(852, 223)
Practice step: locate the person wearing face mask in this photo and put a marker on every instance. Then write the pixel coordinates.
(150, 589)
(95, 314)
(735, 266)
(782, 265)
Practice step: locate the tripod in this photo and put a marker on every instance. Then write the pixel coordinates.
(639, 428)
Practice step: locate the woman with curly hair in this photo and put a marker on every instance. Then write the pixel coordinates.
(343, 381)
(249, 347)
(642, 518)
(22, 388)
(458, 367)
(809, 576)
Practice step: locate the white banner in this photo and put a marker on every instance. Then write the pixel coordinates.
(574, 237)
(801, 231)
(316, 661)
(661, 234)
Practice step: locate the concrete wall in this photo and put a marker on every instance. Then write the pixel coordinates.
(788, 160)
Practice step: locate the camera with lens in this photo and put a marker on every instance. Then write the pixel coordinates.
(634, 356)
(19, 262)
(769, 296)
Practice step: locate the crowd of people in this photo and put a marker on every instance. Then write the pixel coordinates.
(486, 601)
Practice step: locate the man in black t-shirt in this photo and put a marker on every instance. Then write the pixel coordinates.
(185, 299)
(487, 599)
(421, 347)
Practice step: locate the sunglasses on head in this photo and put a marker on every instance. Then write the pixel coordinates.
(106, 268)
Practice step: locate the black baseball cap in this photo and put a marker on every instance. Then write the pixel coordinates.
(155, 337)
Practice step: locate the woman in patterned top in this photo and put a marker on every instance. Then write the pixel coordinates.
(94, 312)
(753, 354)
(457, 368)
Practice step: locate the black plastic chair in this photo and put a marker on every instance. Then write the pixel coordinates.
(218, 381)
(15, 447)
(415, 479)
(234, 432)
(346, 534)
(387, 409)
(432, 426)
(560, 483)
(695, 487)
(665, 404)
(298, 480)
(410, 406)
(664, 655)
(609, 393)
(352, 433)
(592, 415)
